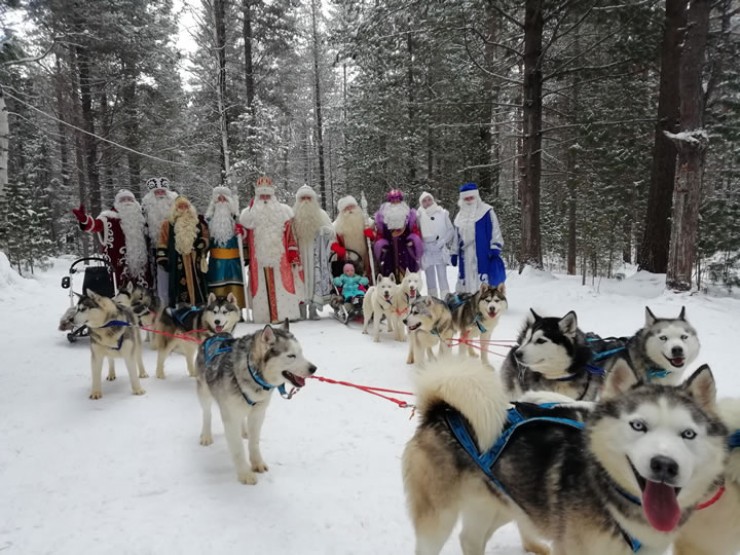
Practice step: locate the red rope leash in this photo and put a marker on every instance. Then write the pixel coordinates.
(713, 500)
(378, 391)
(472, 343)
(187, 336)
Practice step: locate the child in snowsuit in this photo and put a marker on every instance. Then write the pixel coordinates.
(351, 286)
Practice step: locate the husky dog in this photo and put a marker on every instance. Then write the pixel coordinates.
(408, 290)
(144, 302)
(111, 336)
(241, 374)
(218, 315)
(646, 455)
(661, 350)
(429, 322)
(551, 355)
(477, 314)
(714, 530)
(379, 302)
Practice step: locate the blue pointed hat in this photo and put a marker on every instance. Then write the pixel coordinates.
(468, 187)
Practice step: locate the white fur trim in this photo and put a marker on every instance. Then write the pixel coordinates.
(344, 202)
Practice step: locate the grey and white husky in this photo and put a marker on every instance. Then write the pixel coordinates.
(184, 328)
(476, 315)
(661, 350)
(112, 335)
(429, 322)
(551, 355)
(645, 456)
(714, 530)
(145, 303)
(241, 375)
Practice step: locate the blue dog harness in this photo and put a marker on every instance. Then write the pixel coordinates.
(116, 324)
(217, 345)
(456, 301)
(514, 420)
(734, 441)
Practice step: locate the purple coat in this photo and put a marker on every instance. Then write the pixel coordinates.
(395, 255)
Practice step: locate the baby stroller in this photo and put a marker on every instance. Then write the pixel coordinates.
(344, 311)
(98, 277)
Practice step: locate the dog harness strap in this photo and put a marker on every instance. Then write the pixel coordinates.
(247, 399)
(116, 323)
(653, 373)
(711, 501)
(259, 379)
(224, 346)
(481, 327)
(734, 441)
(634, 543)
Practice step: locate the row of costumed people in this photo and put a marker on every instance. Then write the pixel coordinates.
(164, 244)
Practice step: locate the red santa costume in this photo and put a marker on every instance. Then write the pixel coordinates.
(121, 235)
(352, 228)
(157, 205)
(272, 252)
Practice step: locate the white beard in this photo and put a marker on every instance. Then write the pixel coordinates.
(307, 220)
(186, 231)
(156, 209)
(395, 215)
(132, 225)
(221, 224)
(351, 227)
(268, 222)
(466, 218)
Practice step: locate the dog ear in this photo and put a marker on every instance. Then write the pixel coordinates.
(393, 278)
(533, 316)
(92, 294)
(231, 298)
(130, 287)
(568, 324)
(649, 317)
(483, 287)
(428, 300)
(702, 388)
(286, 325)
(268, 335)
(682, 315)
(621, 378)
(211, 298)
(501, 288)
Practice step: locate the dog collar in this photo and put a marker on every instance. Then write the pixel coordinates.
(259, 379)
(116, 324)
(734, 441)
(655, 373)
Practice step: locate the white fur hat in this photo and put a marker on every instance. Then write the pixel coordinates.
(344, 202)
(123, 193)
(305, 191)
(264, 186)
(423, 195)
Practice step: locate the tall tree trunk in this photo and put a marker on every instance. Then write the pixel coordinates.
(653, 255)
(573, 178)
(490, 95)
(90, 143)
(248, 37)
(4, 144)
(410, 97)
(106, 150)
(219, 21)
(131, 125)
(690, 143)
(61, 128)
(317, 94)
(530, 165)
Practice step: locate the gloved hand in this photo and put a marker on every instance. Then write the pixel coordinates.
(339, 249)
(369, 233)
(453, 260)
(80, 214)
(240, 230)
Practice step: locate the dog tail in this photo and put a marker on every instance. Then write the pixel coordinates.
(472, 388)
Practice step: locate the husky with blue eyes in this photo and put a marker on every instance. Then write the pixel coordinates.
(241, 375)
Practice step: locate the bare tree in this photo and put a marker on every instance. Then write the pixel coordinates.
(317, 95)
(691, 143)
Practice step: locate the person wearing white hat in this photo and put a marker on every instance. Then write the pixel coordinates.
(438, 233)
(477, 252)
(314, 233)
(273, 253)
(353, 229)
(157, 205)
(224, 263)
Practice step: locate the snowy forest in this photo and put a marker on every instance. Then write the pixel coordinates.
(604, 132)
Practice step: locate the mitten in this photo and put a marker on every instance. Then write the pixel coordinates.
(369, 233)
(80, 214)
(453, 260)
(339, 249)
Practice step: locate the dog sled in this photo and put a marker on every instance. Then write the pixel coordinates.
(98, 276)
(345, 312)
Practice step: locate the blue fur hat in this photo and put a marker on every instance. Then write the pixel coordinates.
(468, 187)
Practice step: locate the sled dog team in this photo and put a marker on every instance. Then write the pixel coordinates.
(589, 444)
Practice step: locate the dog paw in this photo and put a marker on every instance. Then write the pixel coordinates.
(376, 339)
(138, 391)
(143, 374)
(247, 477)
(110, 377)
(206, 440)
(536, 547)
(364, 332)
(160, 375)
(245, 434)
(259, 466)
(96, 394)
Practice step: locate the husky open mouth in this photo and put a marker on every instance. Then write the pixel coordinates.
(297, 381)
(676, 362)
(492, 312)
(412, 293)
(415, 327)
(659, 502)
(218, 329)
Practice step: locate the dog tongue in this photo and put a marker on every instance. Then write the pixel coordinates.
(661, 506)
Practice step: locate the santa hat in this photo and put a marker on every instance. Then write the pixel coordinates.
(424, 195)
(225, 191)
(123, 193)
(305, 191)
(469, 189)
(264, 186)
(394, 195)
(344, 202)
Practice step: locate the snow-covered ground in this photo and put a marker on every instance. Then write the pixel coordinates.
(126, 474)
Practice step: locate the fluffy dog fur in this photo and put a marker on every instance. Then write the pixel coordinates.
(429, 322)
(408, 291)
(563, 484)
(379, 302)
(271, 355)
